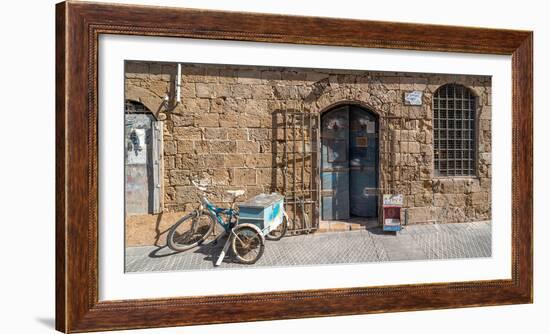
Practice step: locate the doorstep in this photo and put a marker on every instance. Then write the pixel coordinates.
(353, 224)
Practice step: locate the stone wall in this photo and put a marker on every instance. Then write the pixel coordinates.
(223, 130)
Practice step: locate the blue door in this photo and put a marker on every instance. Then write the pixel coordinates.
(349, 164)
(363, 161)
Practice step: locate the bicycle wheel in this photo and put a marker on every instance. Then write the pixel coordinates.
(190, 231)
(247, 244)
(279, 232)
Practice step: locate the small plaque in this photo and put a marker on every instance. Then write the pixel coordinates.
(413, 98)
(362, 142)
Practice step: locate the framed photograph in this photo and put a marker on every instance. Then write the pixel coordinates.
(222, 166)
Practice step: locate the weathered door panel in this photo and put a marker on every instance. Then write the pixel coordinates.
(142, 163)
(335, 164)
(363, 163)
(335, 195)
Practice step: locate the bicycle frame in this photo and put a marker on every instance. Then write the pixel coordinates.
(217, 212)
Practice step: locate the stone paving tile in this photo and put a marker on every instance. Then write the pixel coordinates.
(414, 242)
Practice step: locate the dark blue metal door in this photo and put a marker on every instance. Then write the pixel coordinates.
(335, 164)
(363, 160)
(349, 164)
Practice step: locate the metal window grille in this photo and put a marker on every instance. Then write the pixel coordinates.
(135, 107)
(454, 131)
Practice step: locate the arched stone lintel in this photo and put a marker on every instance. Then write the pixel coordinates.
(334, 98)
(153, 102)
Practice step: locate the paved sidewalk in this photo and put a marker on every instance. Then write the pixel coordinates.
(414, 242)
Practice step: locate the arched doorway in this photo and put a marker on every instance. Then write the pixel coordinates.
(349, 163)
(142, 159)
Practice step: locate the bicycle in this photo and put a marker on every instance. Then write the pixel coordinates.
(246, 240)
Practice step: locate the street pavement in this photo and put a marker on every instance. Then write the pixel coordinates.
(414, 242)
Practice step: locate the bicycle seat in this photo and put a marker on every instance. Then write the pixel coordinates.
(235, 193)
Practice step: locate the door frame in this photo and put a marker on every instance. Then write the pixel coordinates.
(318, 145)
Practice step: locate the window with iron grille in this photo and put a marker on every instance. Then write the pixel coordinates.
(454, 131)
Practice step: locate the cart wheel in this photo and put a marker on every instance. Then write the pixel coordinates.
(190, 231)
(279, 232)
(247, 244)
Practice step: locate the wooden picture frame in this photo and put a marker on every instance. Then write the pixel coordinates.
(78, 26)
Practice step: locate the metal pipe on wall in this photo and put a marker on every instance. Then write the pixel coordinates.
(178, 84)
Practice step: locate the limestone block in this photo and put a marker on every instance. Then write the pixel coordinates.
(244, 176)
(485, 184)
(404, 147)
(258, 160)
(160, 88)
(248, 146)
(255, 107)
(184, 146)
(249, 121)
(217, 133)
(259, 134)
(265, 175)
(212, 160)
(285, 92)
(220, 176)
(237, 133)
(169, 162)
(452, 214)
(423, 186)
(485, 124)
(485, 158)
(222, 146)
(414, 147)
(187, 132)
(169, 148)
(223, 105)
(179, 177)
(233, 160)
(229, 120)
(188, 91)
(241, 91)
(420, 214)
(479, 198)
(199, 147)
(423, 199)
(207, 120)
(266, 146)
(191, 106)
(262, 92)
(186, 194)
(204, 90)
(444, 185)
(182, 120)
(188, 161)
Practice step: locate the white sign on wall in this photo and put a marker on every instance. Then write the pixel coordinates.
(413, 98)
